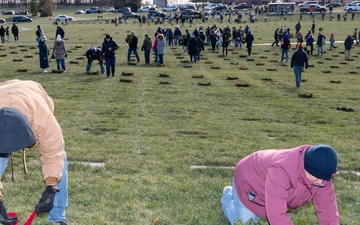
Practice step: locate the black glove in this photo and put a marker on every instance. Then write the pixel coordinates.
(65, 55)
(47, 199)
(4, 218)
(53, 57)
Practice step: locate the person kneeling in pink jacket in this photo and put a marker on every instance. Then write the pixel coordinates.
(269, 182)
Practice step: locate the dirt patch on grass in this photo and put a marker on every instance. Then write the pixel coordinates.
(192, 133)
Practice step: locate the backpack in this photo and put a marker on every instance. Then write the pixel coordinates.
(323, 41)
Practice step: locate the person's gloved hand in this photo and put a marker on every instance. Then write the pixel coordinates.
(65, 55)
(4, 218)
(52, 56)
(47, 199)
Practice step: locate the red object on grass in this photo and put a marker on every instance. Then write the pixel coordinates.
(31, 218)
(12, 214)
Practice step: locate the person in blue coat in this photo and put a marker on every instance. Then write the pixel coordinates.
(43, 51)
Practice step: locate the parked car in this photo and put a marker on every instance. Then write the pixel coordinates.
(334, 4)
(17, 19)
(157, 14)
(210, 7)
(94, 10)
(111, 10)
(170, 8)
(242, 6)
(350, 7)
(22, 12)
(187, 6)
(307, 4)
(8, 12)
(145, 8)
(220, 7)
(80, 12)
(63, 18)
(123, 10)
(2, 21)
(130, 15)
(192, 13)
(313, 8)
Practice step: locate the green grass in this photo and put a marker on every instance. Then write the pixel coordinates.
(149, 134)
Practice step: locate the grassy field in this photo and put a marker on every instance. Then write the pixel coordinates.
(148, 134)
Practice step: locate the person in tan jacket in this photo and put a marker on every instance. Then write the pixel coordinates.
(26, 120)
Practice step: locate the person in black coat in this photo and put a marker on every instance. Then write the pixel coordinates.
(213, 39)
(249, 40)
(132, 40)
(2, 34)
(349, 41)
(193, 49)
(15, 32)
(298, 60)
(60, 31)
(108, 49)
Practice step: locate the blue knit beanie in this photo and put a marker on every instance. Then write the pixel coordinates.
(321, 161)
(15, 131)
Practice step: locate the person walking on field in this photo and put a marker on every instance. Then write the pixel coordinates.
(27, 120)
(15, 32)
(108, 52)
(59, 53)
(7, 33)
(132, 40)
(276, 37)
(285, 46)
(348, 44)
(298, 60)
(269, 182)
(146, 47)
(249, 40)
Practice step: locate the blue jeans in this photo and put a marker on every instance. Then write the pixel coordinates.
(298, 71)
(320, 50)
(332, 46)
(61, 201)
(161, 59)
(134, 50)
(147, 56)
(177, 38)
(110, 64)
(284, 52)
(233, 208)
(88, 67)
(156, 56)
(62, 63)
(225, 49)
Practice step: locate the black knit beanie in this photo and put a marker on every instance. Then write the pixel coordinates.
(321, 161)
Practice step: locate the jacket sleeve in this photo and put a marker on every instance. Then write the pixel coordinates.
(276, 189)
(326, 205)
(115, 46)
